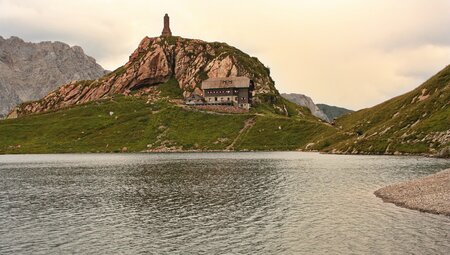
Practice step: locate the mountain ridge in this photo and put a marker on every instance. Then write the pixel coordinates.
(31, 70)
(155, 61)
(306, 101)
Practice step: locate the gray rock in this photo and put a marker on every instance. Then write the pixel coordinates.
(28, 71)
(307, 102)
(445, 152)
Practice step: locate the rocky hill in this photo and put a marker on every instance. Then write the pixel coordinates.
(413, 123)
(156, 61)
(307, 102)
(139, 107)
(28, 71)
(333, 112)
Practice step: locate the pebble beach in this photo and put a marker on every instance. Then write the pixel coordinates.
(428, 194)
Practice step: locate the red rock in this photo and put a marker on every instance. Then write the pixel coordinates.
(153, 63)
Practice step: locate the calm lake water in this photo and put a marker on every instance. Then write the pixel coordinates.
(213, 203)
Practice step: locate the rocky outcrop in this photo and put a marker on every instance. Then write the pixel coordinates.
(307, 102)
(28, 71)
(445, 152)
(155, 61)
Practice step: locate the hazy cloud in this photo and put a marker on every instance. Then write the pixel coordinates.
(349, 53)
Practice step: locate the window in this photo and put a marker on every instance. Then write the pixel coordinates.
(215, 99)
(228, 99)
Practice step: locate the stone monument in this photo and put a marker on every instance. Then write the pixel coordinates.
(166, 31)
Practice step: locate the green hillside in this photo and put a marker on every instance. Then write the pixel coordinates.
(129, 123)
(416, 122)
(333, 112)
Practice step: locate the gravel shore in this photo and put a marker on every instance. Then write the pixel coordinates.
(429, 194)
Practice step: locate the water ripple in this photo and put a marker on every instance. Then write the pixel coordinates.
(212, 203)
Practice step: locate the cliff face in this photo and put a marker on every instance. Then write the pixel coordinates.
(28, 71)
(307, 102)
(155, 61)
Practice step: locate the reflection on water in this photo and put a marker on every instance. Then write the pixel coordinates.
(212, 203)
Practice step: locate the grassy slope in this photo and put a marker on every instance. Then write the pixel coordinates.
(136, 125)
(333, 112)
(400, 124)
(281, 133)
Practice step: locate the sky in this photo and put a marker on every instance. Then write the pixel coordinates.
(349, 53)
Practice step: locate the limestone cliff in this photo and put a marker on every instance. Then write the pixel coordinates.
(155, 61)
(307, 102)
(28, 71)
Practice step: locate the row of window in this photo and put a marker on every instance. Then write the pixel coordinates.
(222, 99)
(221, 91)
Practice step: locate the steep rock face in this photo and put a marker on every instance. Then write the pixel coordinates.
(155, 61)
(8, 98)
(28, 71)
(307, 102)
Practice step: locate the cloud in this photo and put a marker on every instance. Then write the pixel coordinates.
(349, 53)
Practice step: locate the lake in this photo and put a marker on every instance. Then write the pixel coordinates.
(213, 203)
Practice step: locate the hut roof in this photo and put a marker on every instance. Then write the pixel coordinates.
(226, 82)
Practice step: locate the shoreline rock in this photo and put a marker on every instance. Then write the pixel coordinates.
(429, 194)
(397, 153)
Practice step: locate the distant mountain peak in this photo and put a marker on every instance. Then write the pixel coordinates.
(307, 102)
(29, 70)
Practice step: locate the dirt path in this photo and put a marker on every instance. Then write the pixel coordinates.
(247, 126)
